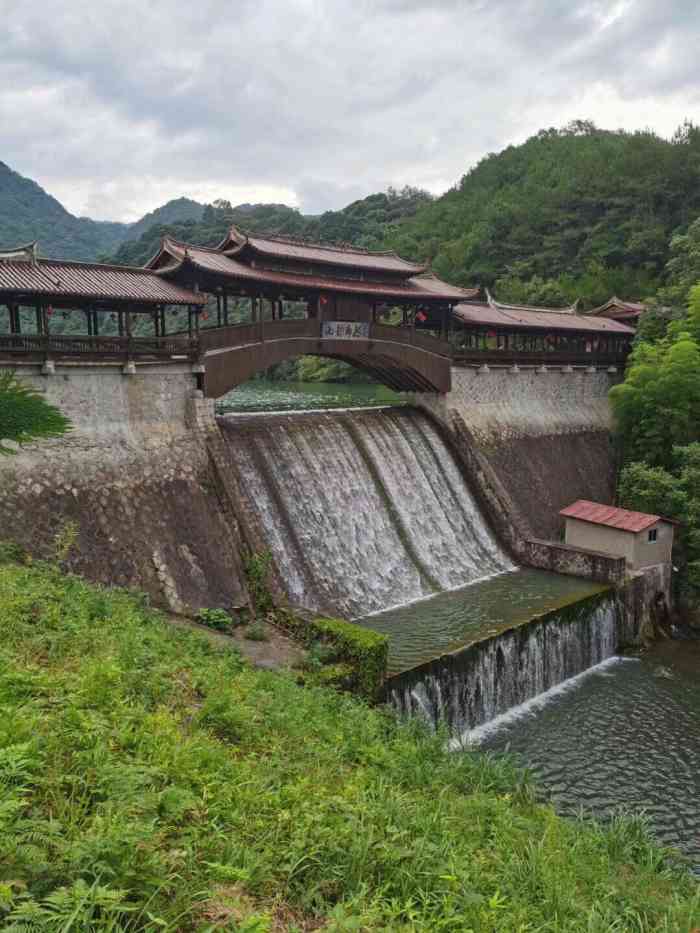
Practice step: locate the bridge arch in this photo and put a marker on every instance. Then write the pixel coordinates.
(394, 356)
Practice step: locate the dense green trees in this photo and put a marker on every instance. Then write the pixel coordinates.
(657, 412)
(25, 415)
(362, 223)
(574, 212)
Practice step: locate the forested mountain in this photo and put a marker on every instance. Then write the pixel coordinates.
(571, 211)
(176, 210)
(362, 223)
(28, 213)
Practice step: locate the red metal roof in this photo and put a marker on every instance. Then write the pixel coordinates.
(420, 287)
(49, 278)
(489, 316)
(599, 514)
(284, 247)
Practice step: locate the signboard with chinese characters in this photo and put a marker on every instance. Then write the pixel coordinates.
(345, 330)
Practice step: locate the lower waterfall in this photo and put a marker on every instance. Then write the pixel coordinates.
(362, 510)
(472, 686)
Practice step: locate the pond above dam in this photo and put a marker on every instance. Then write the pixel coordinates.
(427, 628)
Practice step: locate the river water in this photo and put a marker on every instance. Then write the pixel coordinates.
(268, 395)
(419, 631)
(624, 735)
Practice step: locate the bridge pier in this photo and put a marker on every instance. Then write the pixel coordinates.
(137, 402)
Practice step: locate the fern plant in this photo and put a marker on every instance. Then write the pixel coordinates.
(25, 415)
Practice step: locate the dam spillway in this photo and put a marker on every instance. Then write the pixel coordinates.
(369, 514)
(361, 510)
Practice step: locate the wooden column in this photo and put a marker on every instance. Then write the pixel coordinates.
(218, 310)
(120, 323)
(225, 308)
(15, 320)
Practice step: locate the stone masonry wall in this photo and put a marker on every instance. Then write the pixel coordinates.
(137, 478)
(538, 440)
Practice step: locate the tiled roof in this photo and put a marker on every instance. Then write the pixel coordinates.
(49, 278)
(599, 514)
(283, 247)
(490, 316)
(418, 287)
(619, 308)
(504, 306)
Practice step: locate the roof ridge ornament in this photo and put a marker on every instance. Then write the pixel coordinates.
(27, 253)
(507, 306)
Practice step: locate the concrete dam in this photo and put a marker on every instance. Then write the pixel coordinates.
(362, 511)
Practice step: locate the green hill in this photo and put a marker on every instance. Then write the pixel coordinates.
(28, 213)
(363, 223)
(569, 210)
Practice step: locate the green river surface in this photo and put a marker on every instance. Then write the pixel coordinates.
(624, 736)
(266, 395)
(430, 627)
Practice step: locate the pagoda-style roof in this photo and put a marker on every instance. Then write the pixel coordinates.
(618, 309)
(514, 317)
(276, 247)
(502, 306)
(25, 277)
(232, 265)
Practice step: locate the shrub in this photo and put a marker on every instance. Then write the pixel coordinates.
(257, 569)
(256, 632)
(217, 619)
(364, 650)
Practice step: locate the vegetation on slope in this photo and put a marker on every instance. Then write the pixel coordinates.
(657, 412)
(28, 213)
(572, 212)
(362, 223)
(152, 782)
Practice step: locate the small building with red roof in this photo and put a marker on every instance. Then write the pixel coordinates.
(643, 540)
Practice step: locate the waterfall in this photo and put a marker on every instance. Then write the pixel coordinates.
(472, 686)
(362, 510)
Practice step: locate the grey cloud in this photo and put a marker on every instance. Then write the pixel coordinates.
(329, 101)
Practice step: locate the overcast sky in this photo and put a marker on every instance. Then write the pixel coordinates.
(116, 106)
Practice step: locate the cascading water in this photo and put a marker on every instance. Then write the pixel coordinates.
(472, 686)
(362, 510)
(368, 510)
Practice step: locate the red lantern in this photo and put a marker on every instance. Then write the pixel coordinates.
(324, 300)
(49, 311)
(205, 316)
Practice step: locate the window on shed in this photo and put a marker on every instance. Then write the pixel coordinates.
(653, 534)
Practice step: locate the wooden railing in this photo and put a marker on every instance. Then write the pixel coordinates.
(238, 335)
(96, 347)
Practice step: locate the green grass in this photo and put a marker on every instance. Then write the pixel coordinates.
(150, 781)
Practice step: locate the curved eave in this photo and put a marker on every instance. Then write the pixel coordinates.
(216, 264)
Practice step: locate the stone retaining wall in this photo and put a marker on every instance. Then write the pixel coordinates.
(136, 477)
(537, 441)
(577, 562)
